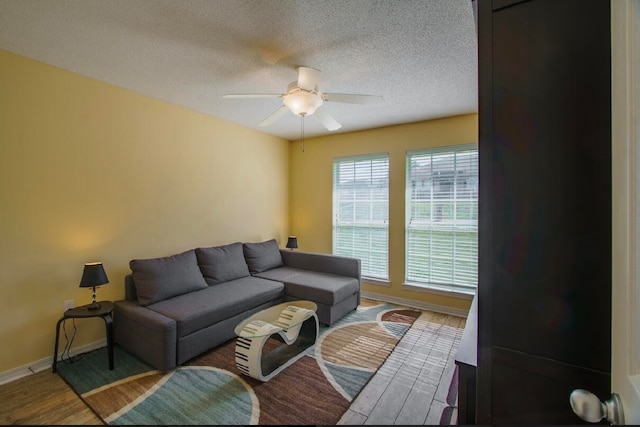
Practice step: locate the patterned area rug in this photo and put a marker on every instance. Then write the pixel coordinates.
(317, 389)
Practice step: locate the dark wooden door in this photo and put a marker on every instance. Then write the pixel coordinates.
(544, 292)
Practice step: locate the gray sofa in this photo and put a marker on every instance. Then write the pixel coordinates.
(178, 307)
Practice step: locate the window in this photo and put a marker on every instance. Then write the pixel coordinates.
(361, 212)
(442, 218)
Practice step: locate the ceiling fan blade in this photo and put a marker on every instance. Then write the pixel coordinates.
(327, 121)
(254, 95)
(274, 116)
(307, 78)
(350, 98)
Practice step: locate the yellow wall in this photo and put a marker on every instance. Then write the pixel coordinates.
(89, 171)
(310, 189)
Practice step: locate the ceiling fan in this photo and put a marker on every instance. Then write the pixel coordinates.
(303, 98)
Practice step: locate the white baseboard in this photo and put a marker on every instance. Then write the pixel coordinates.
(417, 304)
(43, 364)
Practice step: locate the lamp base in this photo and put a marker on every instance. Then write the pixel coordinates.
(94, 305)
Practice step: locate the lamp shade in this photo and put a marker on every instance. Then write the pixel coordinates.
(292, 242)
(93, 275)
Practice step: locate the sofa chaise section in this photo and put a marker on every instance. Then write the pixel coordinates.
(332, 282)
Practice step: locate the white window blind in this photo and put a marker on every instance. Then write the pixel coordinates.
(361, 212)
(442, 218)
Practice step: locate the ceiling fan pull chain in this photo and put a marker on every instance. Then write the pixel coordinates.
(302, 132)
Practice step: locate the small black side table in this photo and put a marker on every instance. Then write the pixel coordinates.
(105, 310)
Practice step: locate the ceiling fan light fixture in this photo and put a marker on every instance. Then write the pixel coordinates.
(302, 102)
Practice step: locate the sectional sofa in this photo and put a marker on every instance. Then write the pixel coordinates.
(179, 306)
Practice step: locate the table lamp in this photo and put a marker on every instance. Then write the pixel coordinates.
(92, 276)
(292, 242)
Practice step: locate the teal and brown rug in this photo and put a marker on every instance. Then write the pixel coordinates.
(317, 389)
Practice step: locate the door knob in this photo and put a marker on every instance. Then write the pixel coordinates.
(587, 406)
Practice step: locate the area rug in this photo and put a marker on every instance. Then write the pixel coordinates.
(317, 389)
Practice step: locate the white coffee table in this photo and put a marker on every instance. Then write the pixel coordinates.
(294, 323)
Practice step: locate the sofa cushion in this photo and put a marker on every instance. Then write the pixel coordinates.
(197, 310)
(222, 263)
(262, 256)
(324, 288)
(157, 279)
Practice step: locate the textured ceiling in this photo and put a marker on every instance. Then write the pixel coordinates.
(420, 55)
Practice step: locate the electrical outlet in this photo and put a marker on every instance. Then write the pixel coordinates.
(69, 304)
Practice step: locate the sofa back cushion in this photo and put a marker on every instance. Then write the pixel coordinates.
(262, 256)
(222, 263)
(157, 279)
